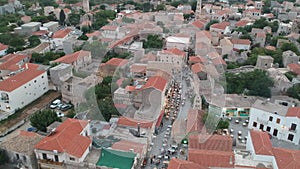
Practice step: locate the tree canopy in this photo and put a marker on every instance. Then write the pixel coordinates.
(34, 41)
(207, 27)
(153, 41)
(46, 58)
(294, 91)
(62, 17)
(42, 119)
(255, 83)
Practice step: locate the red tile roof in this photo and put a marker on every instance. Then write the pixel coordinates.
(137, 68)
(21, 78)
(261, 143)
(293, 112)
(183, 164)
(241, 41)
(128, 146)
(241, 23)
(120, 81)
(174, 51)
(73, 57)
(194, 121)
(40, 32)
(261, 34)
(3, 47)
(130, 88)
(213, 142)
(109, 27)
(116, 62)
(156, 82)
(198, 67)
(219, 61)
(221, 25)
(10, 61)
(62, 33)
(271, 48)
(127, 121)
(212, 158)
(287, 159)
(121, 106)
(67, 139)
(95, 33)
(198, 24)
(295, 68)
(197, 59)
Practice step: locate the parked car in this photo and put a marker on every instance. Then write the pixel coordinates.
(32, 129)
(55, 103)
(65, 107)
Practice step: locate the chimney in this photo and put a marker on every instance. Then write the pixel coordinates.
(26, 66)
(138, 129)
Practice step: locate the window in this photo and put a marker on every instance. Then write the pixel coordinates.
(261, 126)
(18, 156)
(293, 126)
(254, 124)
(44, 156)
(56, 158)
(72, 159)
(270, 118)
(42, 77)
(275, 132)
(291, 137)
(34, 81)
(268, 128)
(278, 120)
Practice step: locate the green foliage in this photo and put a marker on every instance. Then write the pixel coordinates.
(298, 40)
(71, 113)
(275, 39)
(15, 41)
(126, 82)
(83, 37)
(3, 157)
(34, 41)
(277, 55)
(289, 46)
(112, 54)
(74, 19)
(246, 36)
(175, 3)
(45, 59)
(86, 29)
(222, 124)
(263, 22)
(255, 83)
(101, 18)
(294, 91)
(160, 7)
(153, 41)
(42, 119)
(290, 75)
(207, 27)
(62, 17)
(127, 20)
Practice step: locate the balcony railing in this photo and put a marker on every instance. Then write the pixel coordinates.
(51, 162)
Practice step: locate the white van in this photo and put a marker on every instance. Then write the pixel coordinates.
(55, 103)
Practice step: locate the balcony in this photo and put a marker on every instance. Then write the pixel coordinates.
(48, 162)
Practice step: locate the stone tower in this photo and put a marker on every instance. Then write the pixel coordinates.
(198, 9)
(86, 5)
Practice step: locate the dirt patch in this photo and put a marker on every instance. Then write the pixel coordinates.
(30, 109)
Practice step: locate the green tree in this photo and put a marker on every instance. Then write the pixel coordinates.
(3, 157)
(246, 36)
(83, 37)
(62, 17)
(34, 41)
(42, 119)
(207, 27)
(294, 91)
(86, 29)
(160, 7)
(74, 19)
(153, 41)
(71, 113)
(289, 46)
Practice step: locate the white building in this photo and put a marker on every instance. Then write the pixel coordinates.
(285, 28)
(241, 44)
(60, 36)
(279, 119)
(180, 42)
(22, 88)
(69, 143)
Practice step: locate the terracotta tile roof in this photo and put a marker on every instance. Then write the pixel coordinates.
(121, 106)
(40, 32)
(197, 59)
(261, 143)
(287, 159)
(213, 142)
(212, 158)
(194, 121)
(253, 11)
(183, 164)
(198, 24)
(156, 82)
(117, 62)
(261, 34)
(149, 57)
(21, 78)
(198, 67)
(73, 57)
(241, 41)
(130, 122)
(61, 33)
(293, 112)
(67, 139)
(95, 33)
(174, 51)
(109, 27)
(3, 47)
(221, 25)
(203, 34)
(241, 23)
(271, 48)
(219, 61)
(128, 146)
(10, 61)
(120, 81)
(130, 88)
(138, 68)
(294, 67)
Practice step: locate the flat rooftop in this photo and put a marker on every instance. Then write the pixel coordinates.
(270, 107)
(30, 24)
